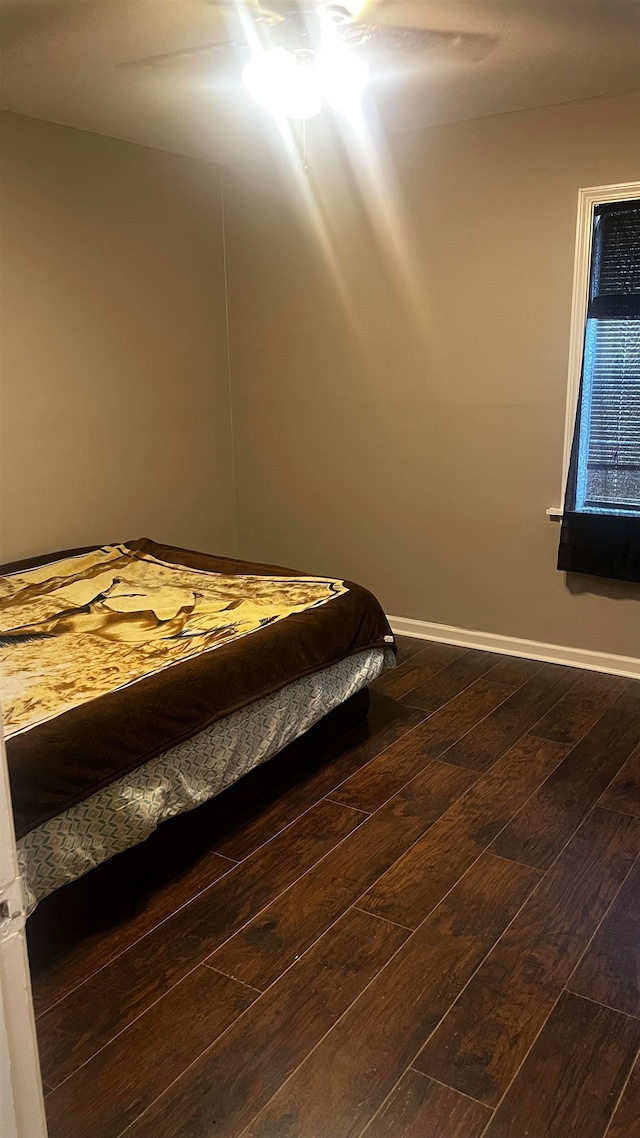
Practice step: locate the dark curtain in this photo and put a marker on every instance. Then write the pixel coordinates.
(606, 543)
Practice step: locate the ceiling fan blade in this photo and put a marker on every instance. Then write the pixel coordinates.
(168, 57)
(262, 13)
(469, 46)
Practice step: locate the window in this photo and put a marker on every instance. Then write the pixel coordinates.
(608, 461)
(601, 519)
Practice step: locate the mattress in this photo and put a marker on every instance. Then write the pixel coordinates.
(128, 810)
(112, 656)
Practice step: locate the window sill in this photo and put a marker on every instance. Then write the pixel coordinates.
(555, 513)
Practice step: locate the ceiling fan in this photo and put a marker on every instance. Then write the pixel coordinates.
(306, 53)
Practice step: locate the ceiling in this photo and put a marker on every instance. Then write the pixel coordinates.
(62, 60)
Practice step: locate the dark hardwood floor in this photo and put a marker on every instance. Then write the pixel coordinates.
(428, 929)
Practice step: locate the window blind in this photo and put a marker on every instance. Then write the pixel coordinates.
(609, 463)
(601, 524)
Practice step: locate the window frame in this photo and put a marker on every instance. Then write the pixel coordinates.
(588, 199)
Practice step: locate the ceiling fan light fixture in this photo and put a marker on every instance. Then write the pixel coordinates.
(284, 83)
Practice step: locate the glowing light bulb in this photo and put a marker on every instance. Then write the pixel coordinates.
(283, 83)
(342, 76)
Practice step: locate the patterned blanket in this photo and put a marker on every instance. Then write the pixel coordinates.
(111, 655)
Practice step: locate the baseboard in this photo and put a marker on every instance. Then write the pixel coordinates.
(511, 646)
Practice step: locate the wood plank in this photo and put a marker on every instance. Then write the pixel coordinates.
(570, 719)
(73, 1030)
(481, 1043)
(91, 921)
(387, 721)
(629, 698)
(131, 1071)
(610, 970)
(573, 1076)
(500, 730)
(612, 688)
(261, 951)
(409, 646)
(341, 1085)
(626, 1120)
(515, 670)
(420, 1108)
(577, 711)
(624, 792)
(419, 879)
(453, 679)
(546, 822)
(374, 783)
(232, 1081)
(415, 671)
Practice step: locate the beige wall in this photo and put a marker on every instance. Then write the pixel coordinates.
(115, 415)
(398, 413)
(414, 440)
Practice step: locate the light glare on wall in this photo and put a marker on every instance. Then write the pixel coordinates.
(297, 84)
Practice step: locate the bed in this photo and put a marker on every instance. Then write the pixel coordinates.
(138, 680)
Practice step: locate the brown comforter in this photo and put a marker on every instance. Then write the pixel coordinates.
(111, 655)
